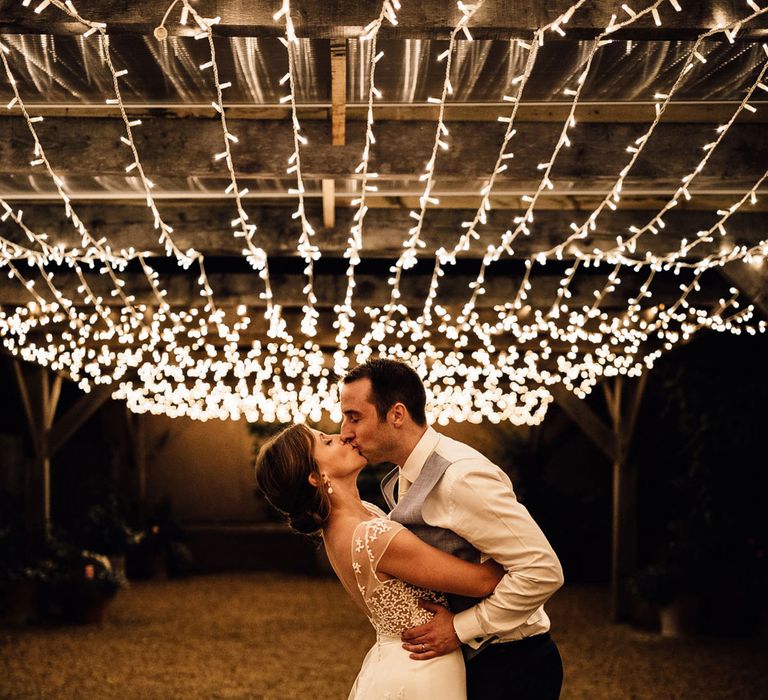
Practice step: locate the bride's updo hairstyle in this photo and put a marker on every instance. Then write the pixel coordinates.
(283, 466)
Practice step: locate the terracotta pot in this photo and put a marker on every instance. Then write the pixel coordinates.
(19, 602)
(117, 561)
(75, 602)
(678, 619)
(92, 610)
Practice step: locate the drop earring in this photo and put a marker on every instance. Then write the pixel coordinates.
(327, 483)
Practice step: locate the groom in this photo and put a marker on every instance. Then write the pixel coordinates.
(455, 499)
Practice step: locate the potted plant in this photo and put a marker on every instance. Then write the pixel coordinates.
(160, 549)
(105, 530)
(701, 491)
(663, 585)
(18, 601)
(74, 586)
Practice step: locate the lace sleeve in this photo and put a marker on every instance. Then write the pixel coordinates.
(393, 604)
(370, 541)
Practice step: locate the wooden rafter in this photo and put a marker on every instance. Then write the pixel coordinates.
(338, 91)
(77, 415)
(203, 226)
(588, 421)
(233, 288)
(190, 145)
(329, 203)
(587, 111)
(752, 280)
(497, 19)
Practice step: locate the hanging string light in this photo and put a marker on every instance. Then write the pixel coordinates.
(183, 369)
(345, 312)
(306, 248)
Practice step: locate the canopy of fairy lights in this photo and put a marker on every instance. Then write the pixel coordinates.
(117, 325)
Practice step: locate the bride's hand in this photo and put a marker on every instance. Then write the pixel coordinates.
(433, 639)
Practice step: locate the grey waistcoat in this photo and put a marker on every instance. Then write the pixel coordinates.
(408, 512)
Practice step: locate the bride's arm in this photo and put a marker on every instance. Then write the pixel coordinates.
(411, 559)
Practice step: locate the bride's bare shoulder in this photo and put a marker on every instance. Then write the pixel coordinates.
(374, 510)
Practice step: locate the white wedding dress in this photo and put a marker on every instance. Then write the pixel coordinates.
(393, 606)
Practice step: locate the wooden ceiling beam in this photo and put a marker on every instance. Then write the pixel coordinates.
(752, 280)
(328, 345)
(329, 204)
(233, 288)
(497, 19)
(577, 197)
(325, 338)
(92, 147)
(338, 91)
(206, 227)
(636, 111)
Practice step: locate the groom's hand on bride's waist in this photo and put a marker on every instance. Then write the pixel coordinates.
(433, 639)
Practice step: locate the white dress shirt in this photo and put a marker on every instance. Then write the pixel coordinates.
(475, 499)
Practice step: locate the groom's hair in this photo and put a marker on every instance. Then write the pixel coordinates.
(392, 382)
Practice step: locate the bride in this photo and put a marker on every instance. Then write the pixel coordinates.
(311, 477)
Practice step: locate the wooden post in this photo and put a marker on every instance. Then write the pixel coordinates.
(39, 399)
(624, 493)
(621, 500)
(76, 416)
(590, 423)
(137, 431)
(614, 443)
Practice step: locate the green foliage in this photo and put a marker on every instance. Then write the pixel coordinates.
(660, 583)
(13, 555)
(104, 529)
(64, 563)
(702, 477)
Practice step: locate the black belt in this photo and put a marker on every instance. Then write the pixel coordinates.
(517, 644)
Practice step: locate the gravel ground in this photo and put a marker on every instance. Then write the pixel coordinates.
(274, 637)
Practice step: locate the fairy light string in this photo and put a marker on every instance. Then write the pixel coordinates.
(184, 258)
(443, 257)
(345, 312)
(635, 150)
(256, 256)
(40, 158)
(494, 253)
(93, 250)
(655, 224)
(307, 250)
(641, 142)
(185, 370)
(408, 256)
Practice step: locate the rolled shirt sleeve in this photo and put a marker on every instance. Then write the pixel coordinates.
(476, 500)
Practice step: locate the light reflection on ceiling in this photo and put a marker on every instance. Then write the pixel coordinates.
(68, 69)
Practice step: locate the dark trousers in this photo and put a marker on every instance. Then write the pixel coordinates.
(529, 669)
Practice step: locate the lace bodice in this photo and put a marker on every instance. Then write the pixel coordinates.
(393, 605)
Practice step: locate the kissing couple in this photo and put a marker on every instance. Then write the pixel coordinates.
(454, 579)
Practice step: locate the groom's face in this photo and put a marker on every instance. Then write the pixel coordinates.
(361, 426)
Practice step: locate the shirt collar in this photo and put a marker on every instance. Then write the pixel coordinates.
(424, 447)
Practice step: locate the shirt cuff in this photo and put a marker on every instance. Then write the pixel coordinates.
(468, 629)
